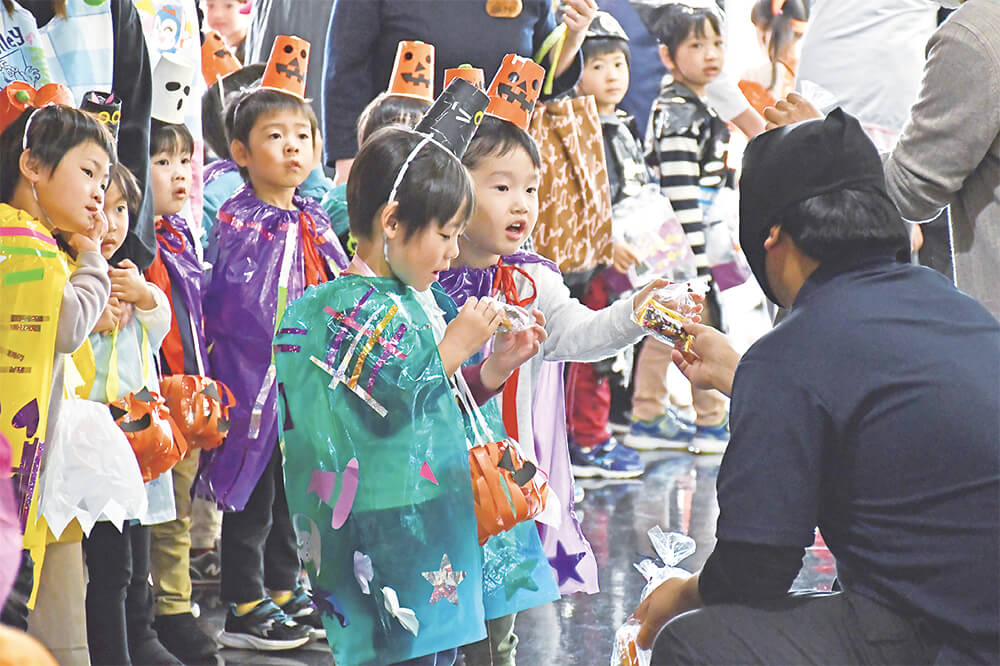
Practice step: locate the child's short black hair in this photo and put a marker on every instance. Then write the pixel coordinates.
(435, 188)
(598, 46)
(169, 138)
(496, 138)
(248, 108)
(678, 21)
(388, 109)
(52, 131)
(122, 177)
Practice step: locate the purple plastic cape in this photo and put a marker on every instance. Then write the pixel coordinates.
(185, 276)
(241, 305)
(216, 169)
(549, 425)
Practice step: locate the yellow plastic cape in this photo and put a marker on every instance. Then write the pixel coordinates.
(33, 274)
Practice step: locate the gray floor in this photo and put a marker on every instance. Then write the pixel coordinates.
(677, 493)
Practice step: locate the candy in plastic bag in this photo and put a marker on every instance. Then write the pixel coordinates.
(648, 223)
(514, 318)
(666, 311)
(672, 548)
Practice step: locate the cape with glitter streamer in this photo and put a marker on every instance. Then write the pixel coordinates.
(260, 268)
(388, 436)
(550, 445)
(33, 272)
(177, 255)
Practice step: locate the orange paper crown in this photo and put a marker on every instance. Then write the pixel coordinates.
(18, 96)
(473, 75)
(217, 61)
(288, 66)
(413, 71)
(515, 89)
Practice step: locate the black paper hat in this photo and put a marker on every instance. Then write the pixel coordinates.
(453, 118)
(797, 162)
(218, 97)
(606, 26)
(657, 15)
(107, 107)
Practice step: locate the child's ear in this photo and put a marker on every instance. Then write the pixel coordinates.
(30, 167)
(240, 152)
(665, 58)
(387, 220)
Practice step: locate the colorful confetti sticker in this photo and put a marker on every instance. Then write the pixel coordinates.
(425, 471)
(322, 483)
(309, 544)
(445, 582)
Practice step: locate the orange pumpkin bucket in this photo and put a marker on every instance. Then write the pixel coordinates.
(200, 407)
(157, 442)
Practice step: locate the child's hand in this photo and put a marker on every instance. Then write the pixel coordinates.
(623, 256)
(89, 240)
(577, 14)
(476, 323)
(511, 350)
(110, 318)
(129, 286)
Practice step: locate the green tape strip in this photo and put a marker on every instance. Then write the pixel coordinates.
(24, 276)
(11, 249)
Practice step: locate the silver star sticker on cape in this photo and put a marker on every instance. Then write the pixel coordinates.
(445, 582)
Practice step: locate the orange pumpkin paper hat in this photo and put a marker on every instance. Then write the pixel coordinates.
(413, 71)
(217, 61)
(515, 89)
(473, 75)
(18, 96)
(288, 66)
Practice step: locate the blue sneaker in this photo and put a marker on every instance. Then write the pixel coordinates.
(666, 432)
(711, 439)
(607, 461)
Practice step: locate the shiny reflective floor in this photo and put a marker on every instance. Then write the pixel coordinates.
(677, 493)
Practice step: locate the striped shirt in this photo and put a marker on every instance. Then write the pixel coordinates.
(686, 144)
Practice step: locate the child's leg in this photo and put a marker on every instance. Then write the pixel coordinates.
(244, 535)
(649, 401)
(206, 524)
(281, 558)
(170, 548)
(59, 619)
(498, 648)
(109, 565)
(143, 644)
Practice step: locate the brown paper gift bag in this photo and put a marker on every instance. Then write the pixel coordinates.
(574, 200)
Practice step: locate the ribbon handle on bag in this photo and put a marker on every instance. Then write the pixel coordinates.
(113, 384)
(554, 43)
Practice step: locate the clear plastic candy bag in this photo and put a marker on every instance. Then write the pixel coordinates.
(667, 309)
(515, 318)
(648, 223)
(672, 548)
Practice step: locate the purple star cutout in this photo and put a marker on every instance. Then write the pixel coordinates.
(565, 564)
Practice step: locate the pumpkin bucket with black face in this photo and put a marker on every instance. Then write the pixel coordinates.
(515, 89)
(413, 71)
(200, 407)
(217, 61)
(157, 442)
(288, 66)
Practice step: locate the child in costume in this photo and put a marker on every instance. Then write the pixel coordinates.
(588, 386)
(119, 598)
(55, 286)
(272, 243)
(504, 163)
(378, 471)
(686, 149)
(178, 273)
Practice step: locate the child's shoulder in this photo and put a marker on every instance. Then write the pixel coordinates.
(677, 110)
(532, 262)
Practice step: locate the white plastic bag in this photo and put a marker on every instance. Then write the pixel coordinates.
(725, 258)
(90, 472)
(647, 222)
(672, 547)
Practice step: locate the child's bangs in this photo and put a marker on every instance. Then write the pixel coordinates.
(170, 139)
(700, 29)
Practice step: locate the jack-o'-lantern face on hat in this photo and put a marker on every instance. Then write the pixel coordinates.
(106, 107)
(217, 61)
(413, 71)
(473, 75)
(288, 66)
(515, 89)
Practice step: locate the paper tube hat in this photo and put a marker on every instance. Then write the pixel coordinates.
(473, 75)
(453, 118)
(18, 96)
(217, 61)
(413, 71)
(606, 26)
(172, 79)
(106, 107)
(515, 89)
(288, 66)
